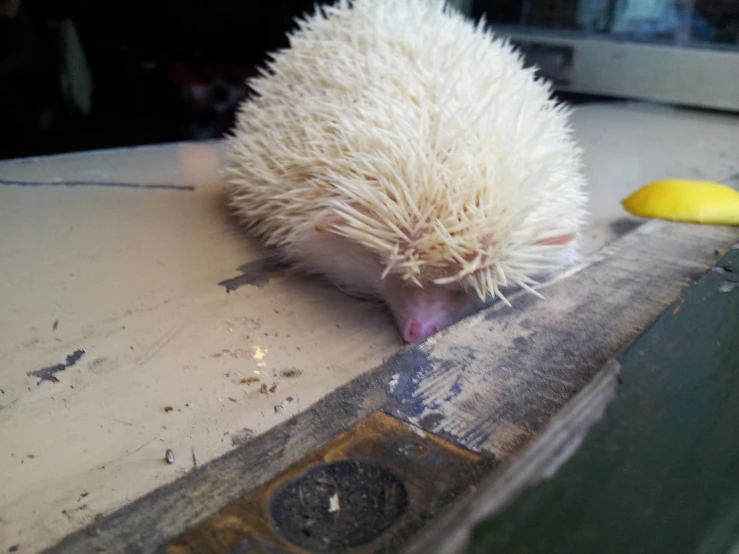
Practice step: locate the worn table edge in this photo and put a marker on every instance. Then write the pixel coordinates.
(345, 406)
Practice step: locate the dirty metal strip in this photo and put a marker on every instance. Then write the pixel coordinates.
(363, 492)
(487, 385)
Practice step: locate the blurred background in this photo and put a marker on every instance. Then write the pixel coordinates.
(79, 75)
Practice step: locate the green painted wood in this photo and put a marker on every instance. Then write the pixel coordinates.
(660, 472)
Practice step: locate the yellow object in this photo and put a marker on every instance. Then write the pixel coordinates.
(686, 201)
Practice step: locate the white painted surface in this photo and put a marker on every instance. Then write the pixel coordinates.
(132, 277)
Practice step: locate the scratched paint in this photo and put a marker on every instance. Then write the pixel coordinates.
(409, 386)
(432, 391)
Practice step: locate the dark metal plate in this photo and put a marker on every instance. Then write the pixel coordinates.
(366, 491)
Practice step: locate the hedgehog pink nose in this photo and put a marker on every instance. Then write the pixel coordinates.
(416, 330)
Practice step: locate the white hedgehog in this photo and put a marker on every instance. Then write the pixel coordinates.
(406, 154)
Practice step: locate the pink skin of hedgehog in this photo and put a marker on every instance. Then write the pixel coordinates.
(423, 312)
(419, 312)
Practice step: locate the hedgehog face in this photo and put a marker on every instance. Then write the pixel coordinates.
(421, 307)
(427, 284)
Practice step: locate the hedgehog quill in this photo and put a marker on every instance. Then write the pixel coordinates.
(405, 153)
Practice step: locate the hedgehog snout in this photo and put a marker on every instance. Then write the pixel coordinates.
(418, 329)
(423, 312)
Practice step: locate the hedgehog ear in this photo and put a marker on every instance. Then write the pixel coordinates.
(558, 240)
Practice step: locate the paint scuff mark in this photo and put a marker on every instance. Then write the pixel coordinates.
(727, 286)
(333, 503)
(257, 273)
(49, 373)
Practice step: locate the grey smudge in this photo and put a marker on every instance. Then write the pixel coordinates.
(48, 373)
(624, 225)
(101, 366)
(431, 421)
(169, 456)
(291, 373)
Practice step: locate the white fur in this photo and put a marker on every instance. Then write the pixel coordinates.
(415, 137)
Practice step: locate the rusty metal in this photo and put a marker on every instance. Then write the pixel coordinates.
(366, 491)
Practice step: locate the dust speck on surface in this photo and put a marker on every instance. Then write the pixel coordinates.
(263, 389)
(169, 456)
(273, 388)
(291, 373)
(248, 380)
(167, 409)
(55, 325)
